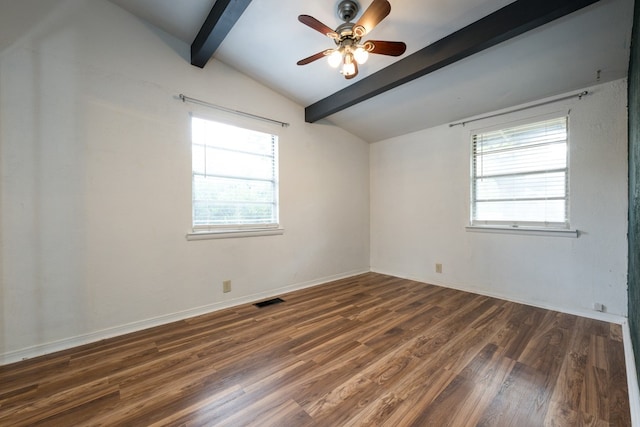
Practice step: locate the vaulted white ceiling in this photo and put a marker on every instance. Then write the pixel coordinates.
(570, 53)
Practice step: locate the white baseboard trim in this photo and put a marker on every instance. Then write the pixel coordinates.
(632, 375)
(596, 315)
(67, 343)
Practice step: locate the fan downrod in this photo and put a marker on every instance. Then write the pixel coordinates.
(348, 9)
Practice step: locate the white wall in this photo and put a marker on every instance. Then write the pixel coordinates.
(96, 189)
(420, 207)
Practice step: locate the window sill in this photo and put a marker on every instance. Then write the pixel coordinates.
(531, 231)
(230, 234)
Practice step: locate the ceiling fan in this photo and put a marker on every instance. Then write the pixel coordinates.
(350, 51)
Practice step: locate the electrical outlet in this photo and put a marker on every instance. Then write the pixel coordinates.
(438, 268)
(226, 286)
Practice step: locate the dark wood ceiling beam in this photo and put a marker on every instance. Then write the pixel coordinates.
(504, 24)
(221, 19)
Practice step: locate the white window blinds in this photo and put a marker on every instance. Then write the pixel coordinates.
(520, 176)
(234, 177)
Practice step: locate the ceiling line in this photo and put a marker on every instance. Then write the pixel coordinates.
(504, 24)
(223, 16)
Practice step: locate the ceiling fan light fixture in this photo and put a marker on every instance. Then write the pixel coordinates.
(349, 51)
(335, 58)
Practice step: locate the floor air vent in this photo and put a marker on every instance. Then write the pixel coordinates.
(268, 302)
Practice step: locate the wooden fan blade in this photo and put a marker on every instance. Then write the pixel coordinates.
(315, 57)
(312, 22)
(382, 47)
(377, 11)
(349, 77)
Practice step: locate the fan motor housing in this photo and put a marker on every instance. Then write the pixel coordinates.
(348, 9)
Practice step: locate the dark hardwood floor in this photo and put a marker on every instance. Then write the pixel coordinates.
(368, 350)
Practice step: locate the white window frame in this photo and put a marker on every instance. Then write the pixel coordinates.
(239, 229)
(519, 226)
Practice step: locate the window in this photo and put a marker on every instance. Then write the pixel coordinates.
(234, 177)
(520, 176)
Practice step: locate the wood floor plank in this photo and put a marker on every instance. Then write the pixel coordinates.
(417, 393)
(514, 404)
(617, 384)
(570, 385)
(485, 385)
(371, 350)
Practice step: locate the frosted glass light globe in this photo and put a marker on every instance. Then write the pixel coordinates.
(361, 55)
(335, 59)
(349, 69)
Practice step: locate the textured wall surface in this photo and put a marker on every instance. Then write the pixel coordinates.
(634, 187)
(95, 187)
(420, 207)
